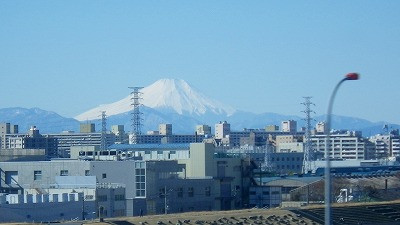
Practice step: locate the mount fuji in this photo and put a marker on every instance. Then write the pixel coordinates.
(167, 96)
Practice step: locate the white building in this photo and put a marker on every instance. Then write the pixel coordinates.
(222, 130)
(386, 145)
(349, 145)
(321, 128)
(165, 129)
(289, 126)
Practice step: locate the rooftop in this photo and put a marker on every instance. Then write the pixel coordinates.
(180, 146)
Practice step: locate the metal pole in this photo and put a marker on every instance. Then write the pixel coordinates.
(83, 205)
(165, 199)
(327, 160)
(349, 76)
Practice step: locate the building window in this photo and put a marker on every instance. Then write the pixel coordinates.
(191, 192)
(11, 177)
(89, 197)
(64, 173)
(87, 172)
(119, 197)
(208, 191)
(161, 192)
(104, 175)
(140, 179)
(180, 192)
(37, 175)
(102, 198)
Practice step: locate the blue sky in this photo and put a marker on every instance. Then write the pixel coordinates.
(259, 56)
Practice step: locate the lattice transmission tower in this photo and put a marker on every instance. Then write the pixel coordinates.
(267, 165)
(103, 145)
(308, 149)
(136, 114)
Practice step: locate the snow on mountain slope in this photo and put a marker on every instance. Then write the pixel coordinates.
(165, 94)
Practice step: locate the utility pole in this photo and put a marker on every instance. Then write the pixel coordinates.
(165, 201)
(83, 205)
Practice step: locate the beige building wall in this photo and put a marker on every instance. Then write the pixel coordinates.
(87, 128)
(286, 139)
(203, 130)
(165, 129)
(227, 172)
(222, 129)
(290, 147)
(117, 129)
(272, 128)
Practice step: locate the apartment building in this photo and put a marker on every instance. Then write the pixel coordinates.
(343, 145)
(68, 138)
(386, 145)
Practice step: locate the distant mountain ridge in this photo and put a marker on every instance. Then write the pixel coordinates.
(172, 101)
(47, 121)
(50, 122)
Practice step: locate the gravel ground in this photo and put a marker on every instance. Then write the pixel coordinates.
(253, 216)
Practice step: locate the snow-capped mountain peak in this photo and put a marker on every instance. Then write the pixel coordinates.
(165, 94)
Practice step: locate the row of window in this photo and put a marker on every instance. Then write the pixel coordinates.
(140, 179)
(287, 159)
(180, 192)
(37, 174)
(104, 198)
(288, 166)
(265, 193)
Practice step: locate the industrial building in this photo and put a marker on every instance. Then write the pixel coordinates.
(198, 180)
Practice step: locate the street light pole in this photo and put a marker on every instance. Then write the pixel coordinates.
(165, 200)
(349, 76)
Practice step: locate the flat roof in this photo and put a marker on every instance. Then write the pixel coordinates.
(171, 146)
(305, 179)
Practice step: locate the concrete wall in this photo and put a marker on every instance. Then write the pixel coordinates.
(8, 155)
(49, 170)
(200, 163)
(265, 196)
(39, 212)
